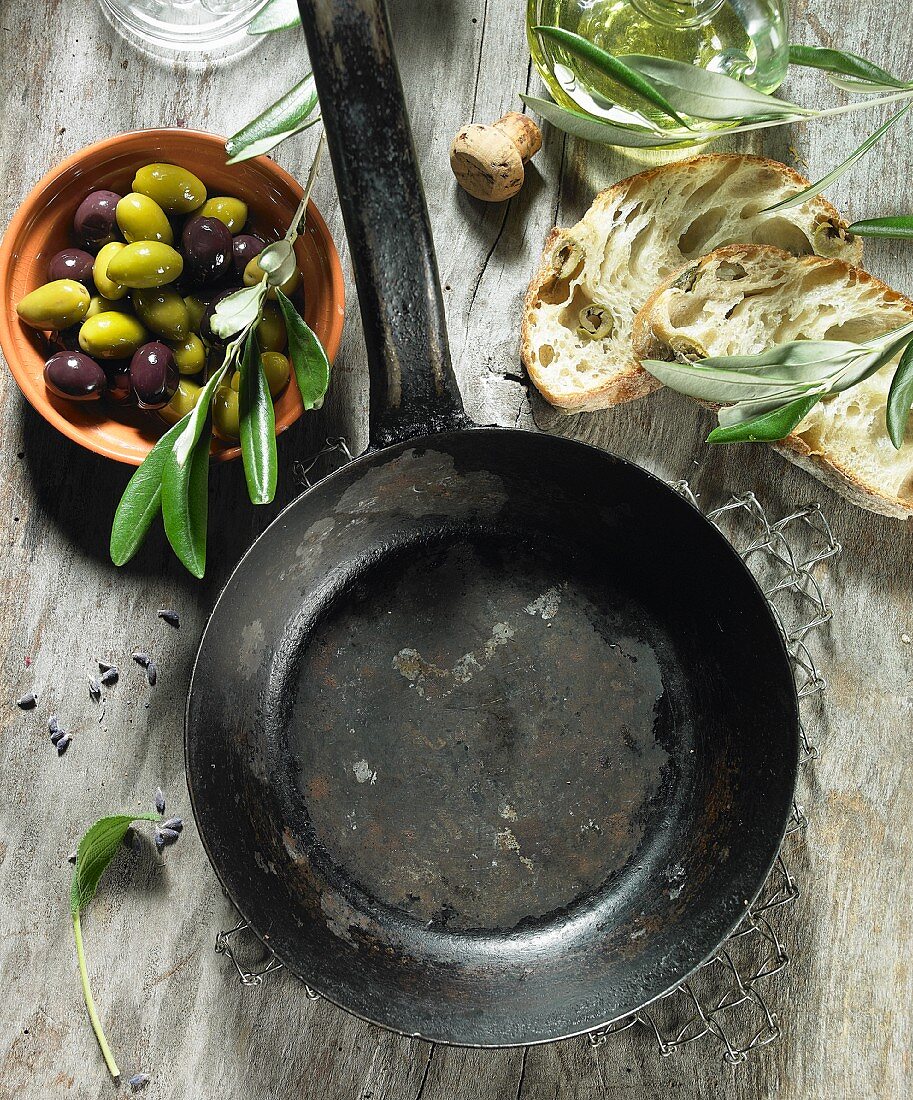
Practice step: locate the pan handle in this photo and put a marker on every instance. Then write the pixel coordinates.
(413, 389)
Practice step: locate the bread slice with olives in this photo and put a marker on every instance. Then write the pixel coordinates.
(744, 299)
(594, 277)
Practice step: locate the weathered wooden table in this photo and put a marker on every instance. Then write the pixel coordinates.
(173, 1007)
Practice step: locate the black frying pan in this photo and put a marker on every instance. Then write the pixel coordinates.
(491, 736)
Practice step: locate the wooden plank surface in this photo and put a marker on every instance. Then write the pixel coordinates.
(170, 1005)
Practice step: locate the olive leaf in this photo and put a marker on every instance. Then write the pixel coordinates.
(258, 426)
(236, 311)
(768, 427)
(277, 15)
(142, 499)
(900, 398)
(611, 66)
(185, 483)
(95, 852)
(598, 130)
(843, 64)
(859, 87)
(900, 227)
(312, 368)
(708, 95)
(816, 188)
(279, 262)
(289, 115)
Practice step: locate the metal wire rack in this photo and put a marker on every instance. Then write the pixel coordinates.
(728, 999)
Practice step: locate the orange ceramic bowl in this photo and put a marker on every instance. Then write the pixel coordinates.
(43, 225)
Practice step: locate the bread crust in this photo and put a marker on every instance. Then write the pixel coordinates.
(826, 468)
(631, 380)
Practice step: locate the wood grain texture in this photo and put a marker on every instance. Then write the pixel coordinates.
(170, 1005)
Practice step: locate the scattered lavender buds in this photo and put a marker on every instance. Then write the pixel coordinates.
(142, 659)
(63, 744)
(173, 823)
(53, 724)
(171, 617)
(27, 702)
(58, 735)
(169, 836)
(94, 688)
(110, 675)
(138, 1081)
(159, 842)
(159, 800)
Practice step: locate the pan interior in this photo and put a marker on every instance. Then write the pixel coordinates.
(481, 730)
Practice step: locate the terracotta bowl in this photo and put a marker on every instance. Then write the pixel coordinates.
(43, 225)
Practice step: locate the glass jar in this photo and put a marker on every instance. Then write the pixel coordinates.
(185, 26)
(744, 39)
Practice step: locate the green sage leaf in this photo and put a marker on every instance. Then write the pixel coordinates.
(900, 398)
(142, 499)
(258, 426)
(278, 15)
(816, 188)
(844, 64)
(96, 850)
(236, 311)
(185, 484)
(287, 116)
(769, 427)
(608, 65)
(900, 227)
(598, 130)
(704, 94)
(309, 360)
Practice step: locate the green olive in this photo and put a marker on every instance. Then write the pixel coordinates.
(105, 285)
(236, 380)
(112, 335)
(254, 273)
(176, 190)
(277, 370)
(225, 421)
(162, 311)
(55, 305)
(271, 334)
(185, 398)
(145, 264)
(189, 354)
(142, 219)
(195, 311)
(99, 304)
(230, 211)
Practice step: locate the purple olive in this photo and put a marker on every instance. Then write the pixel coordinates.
(244, 247)
(95, 220)
(153, 375)
(71, 263)
(65, 340)
(207, 247)
(74, 376)
(120, 389)
(205, 331)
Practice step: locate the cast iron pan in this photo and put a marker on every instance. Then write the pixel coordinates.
(491, 736)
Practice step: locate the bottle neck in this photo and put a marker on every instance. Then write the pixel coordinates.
(678, 13)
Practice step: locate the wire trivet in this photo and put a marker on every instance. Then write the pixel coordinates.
(726, 999)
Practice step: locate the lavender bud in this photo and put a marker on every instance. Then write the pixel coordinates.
(173, 823)
(138, 1081)
(110, 676)
(63, 744)
(171, 617)
(53, 724)
(94, 688)
(142, 659)
(159, 842)
(159, 800)
(71, 858)
(27, 702)
(169, 836)
(151, 674)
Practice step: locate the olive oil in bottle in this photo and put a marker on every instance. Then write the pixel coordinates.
(744, 39)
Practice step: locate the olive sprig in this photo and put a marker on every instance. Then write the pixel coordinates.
(174, 477)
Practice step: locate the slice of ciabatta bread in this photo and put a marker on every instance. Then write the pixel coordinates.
(744, 299)
(594, 277)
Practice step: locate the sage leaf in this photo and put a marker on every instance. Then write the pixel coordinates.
(312, 368)
(900, 227)
(287, 116)
(258, 426)
(598, 130)
(769, 427)
(235, 312)
(900, 398)
(708, 95)
(185, 484)
(844, 64)
(611, 66)
(142, 499)
(816, 188)
(96, 850)
(278, 15)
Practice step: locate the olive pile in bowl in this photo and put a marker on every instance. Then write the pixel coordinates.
(126, 309)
